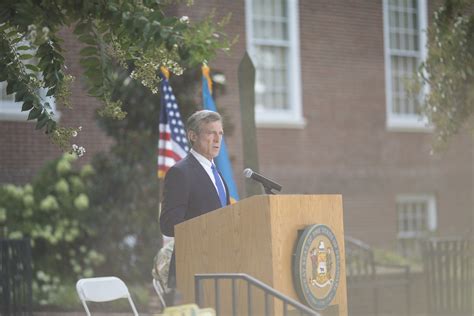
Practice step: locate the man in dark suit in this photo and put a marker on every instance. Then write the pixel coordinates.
(193, 186)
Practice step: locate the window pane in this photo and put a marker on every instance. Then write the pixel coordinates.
(393, 18)
(403, 25)
(271, 73)
(402, 70)
(270, 53)
(270, 20)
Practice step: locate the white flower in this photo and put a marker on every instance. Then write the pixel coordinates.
(184, 19)
(78, 150)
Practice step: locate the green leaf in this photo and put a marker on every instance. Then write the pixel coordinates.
(125, 15)
(11, 33)
(90, 62)
(140, 22)
(50, 126)
(112, 7)
(87, 39)
(33, 68)
(3, 27)
(35, 113)
(108, 37)
(93, 78)
(44, 63)
(51, 91)
(20, 94)
(96, 91)
(58, 58)
(16, 40)
(169, 21)
(50, 79)
(165, 32)
(103, 28)
(146, 30)
(23, 47)
(88, 51)
(42, 120)
(11, 87)
(27, 105)
(82, 28)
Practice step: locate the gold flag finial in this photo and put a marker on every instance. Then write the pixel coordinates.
(165, 72)
(206, 73)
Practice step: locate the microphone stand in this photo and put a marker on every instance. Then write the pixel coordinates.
(268, 190)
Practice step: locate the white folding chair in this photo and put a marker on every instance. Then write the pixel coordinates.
(103, 289)
(160, 292)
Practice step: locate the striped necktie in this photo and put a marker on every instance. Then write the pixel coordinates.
(219, 185)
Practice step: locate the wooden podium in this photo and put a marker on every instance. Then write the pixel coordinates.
(258, 236)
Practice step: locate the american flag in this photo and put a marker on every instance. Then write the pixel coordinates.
(172, 143)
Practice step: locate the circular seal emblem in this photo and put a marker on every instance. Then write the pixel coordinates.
(316, 266)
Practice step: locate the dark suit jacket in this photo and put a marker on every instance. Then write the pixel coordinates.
(188, 192)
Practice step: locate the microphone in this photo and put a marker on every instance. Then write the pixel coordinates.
(268, 184)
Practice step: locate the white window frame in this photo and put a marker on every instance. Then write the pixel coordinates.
(292, 117)
(398, 122)
(432, 220)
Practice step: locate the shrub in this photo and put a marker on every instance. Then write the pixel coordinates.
(53, 211)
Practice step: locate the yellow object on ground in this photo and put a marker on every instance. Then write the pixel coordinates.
(187, 310)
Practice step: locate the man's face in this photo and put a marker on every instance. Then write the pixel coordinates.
(208, 141)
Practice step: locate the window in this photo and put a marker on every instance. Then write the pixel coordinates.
(405, 48)
(273, 44)
(416, 220)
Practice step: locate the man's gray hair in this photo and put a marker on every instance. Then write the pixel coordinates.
(198, 118)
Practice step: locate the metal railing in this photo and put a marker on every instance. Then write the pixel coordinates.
(364, 272)
(15, 277)
(268, 291)
(449, 270)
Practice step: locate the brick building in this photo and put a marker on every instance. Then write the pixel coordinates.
(332, 115)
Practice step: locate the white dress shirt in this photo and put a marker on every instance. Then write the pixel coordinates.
(207, 164)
